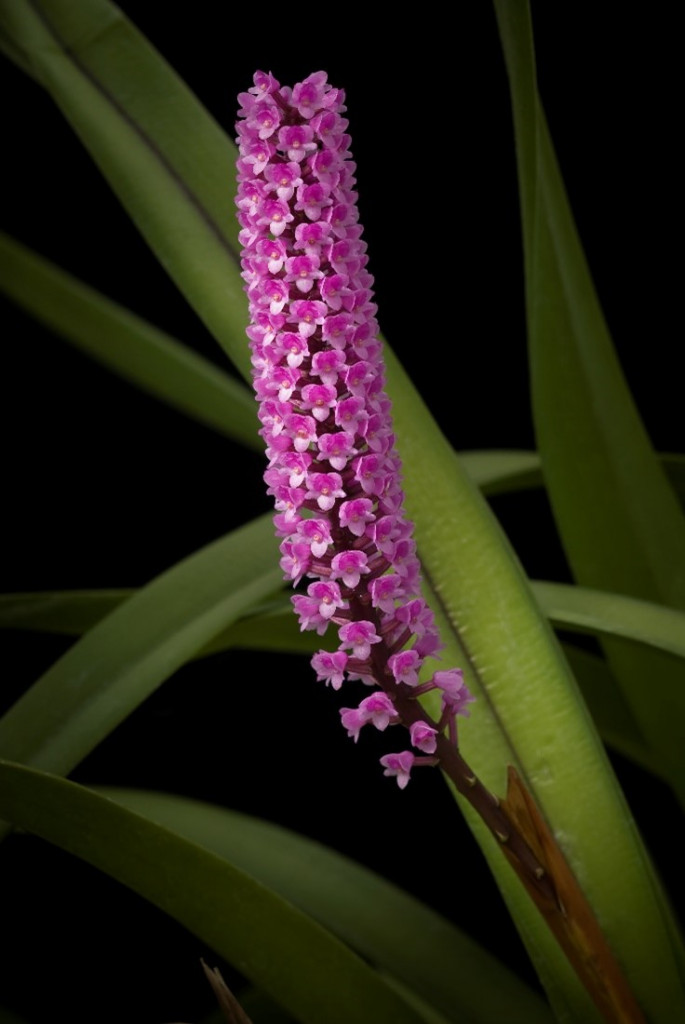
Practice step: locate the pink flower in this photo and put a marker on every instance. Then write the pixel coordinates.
(399, 766)
(330, 667)
(404, 667)
(359, 635)
(423, 736)
(380, 710)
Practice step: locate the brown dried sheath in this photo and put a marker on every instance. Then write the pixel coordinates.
(570, 916)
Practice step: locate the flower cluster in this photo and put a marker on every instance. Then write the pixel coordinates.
(333, 468)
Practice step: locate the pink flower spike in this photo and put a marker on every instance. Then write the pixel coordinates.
(423, 736)
(333, 469)
(399, 765)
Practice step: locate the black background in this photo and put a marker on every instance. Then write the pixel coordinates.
(106, 488)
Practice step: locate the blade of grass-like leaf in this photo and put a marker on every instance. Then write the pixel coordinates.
(607, 705)
(389, 928)
(72, 612)
(601, 613)
(497, 472)
(125, 343)
(580, 609)
(111, 669)
(290, 956)
(274, 627)
(618, 518)
(529, 714)
(271, 626)
(8, 1017)
(165, 157)
(674, 465)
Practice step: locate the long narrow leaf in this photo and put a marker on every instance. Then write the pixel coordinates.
(127, 344)
(119, 662)
(601, 613)
(501, 471)
(71, 612)
(299, 963)
(273, 627)
(611, 714)
(580, 609)
(619, 520)
(162, 153)
(529, 714)
(497, 472)
(388, 927)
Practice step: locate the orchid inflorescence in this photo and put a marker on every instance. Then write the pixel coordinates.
(334, 471)
(318, 371)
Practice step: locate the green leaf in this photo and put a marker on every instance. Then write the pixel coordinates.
(119, 662)
(128, 345)
(607, 705)
(618, 518)
(674, 465)
(385, 925)
(274, 627)
(501, 471)
(498, 472)
(269, 627)
(570, 607)
(9, 1017)
(300, 964)
(165, 157)
(529, 714)
(600, 613)
(59, 611)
